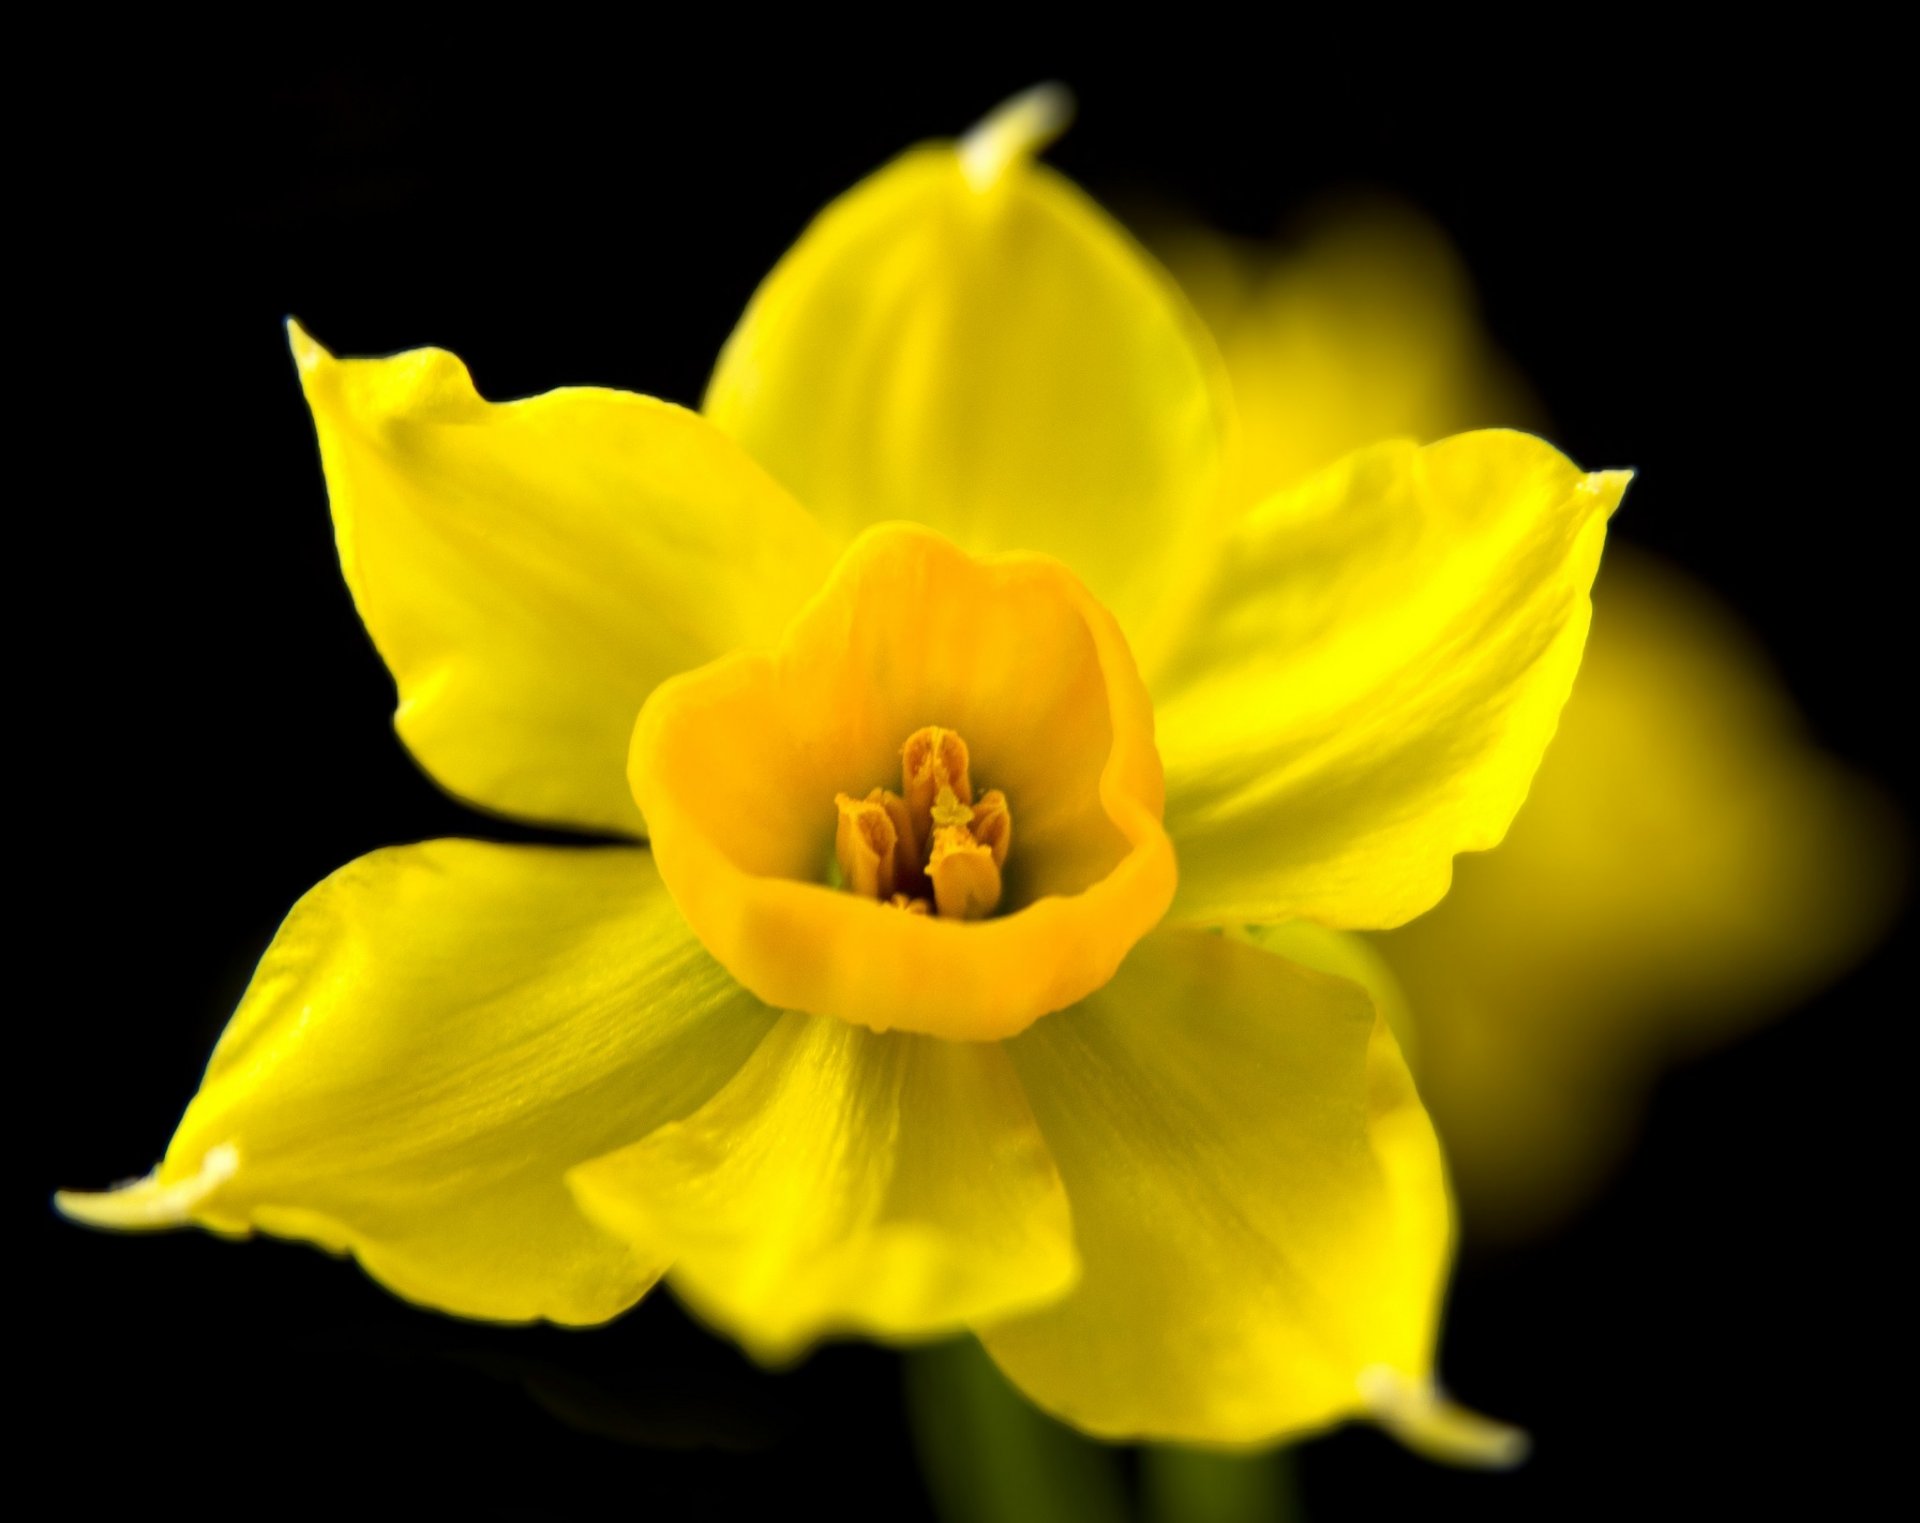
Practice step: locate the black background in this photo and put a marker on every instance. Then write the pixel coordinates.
(1690, 255)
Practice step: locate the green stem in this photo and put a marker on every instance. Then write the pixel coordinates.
(990, 1456)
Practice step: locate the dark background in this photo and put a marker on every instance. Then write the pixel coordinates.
(1690, 256)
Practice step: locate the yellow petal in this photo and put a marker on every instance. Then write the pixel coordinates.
(848, 1182)
(1371, 674)
(530, 570)
(1365, 330)
(437, 1034)
(1257, 1198)
(1687, 864)
(1349, 955)
(737, 767)
(986, 353)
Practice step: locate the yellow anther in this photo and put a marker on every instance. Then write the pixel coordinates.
(992, 825)
(932, 759)
(935, 851)
(966, 880)
(864, 845)
(908, 876)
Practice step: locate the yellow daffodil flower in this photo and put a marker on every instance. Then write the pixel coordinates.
(1686, 862)
(912, 1014)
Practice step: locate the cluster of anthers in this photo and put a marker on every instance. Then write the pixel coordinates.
(932, 848)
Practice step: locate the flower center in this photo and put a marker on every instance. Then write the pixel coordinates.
(932, 847)
(737, 766)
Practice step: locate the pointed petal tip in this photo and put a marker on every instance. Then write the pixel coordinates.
(148, 1205)
(307, 354)
(1609, 486)
(1419, 1415)
(1015, 131)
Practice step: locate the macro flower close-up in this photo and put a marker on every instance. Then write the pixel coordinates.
(972, 726)
(772, 788)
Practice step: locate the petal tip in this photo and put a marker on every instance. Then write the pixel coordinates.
(307, 354)
(1014, 131)
(1419, 1415)
(147, 1204)
(1608, 487)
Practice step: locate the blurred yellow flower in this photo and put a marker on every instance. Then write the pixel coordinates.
(1687, 862)
(906, 1022)
(1364, 329)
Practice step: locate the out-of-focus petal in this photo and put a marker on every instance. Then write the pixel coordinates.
(1363, 330)
(437, 1034)
(1686, 864)
(847, 1181)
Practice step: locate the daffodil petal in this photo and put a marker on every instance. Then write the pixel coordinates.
(1349, 955)
(1257, 1197)
(965, 340)
(531, 570)
(437, 1034)
(848, 1181)
(1370, 675)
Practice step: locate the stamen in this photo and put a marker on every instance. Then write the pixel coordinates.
(935, 851)
(864, 845)
(907, 875)
(1016, 130)
(933, 759)
(992, 825)
(966, 880)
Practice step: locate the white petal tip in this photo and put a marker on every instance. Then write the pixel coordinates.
(147, 1205)
(1608, 486)
(1419, 1414)
(1014, 132)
